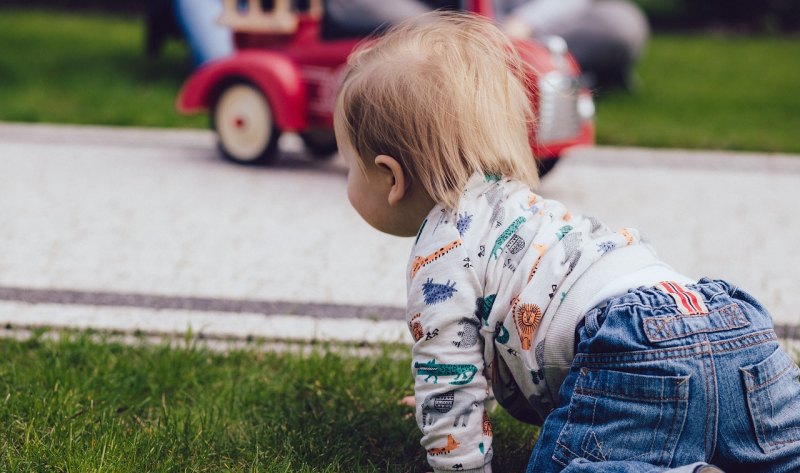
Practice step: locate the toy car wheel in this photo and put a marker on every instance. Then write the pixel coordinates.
(245, 126)
(321, 143)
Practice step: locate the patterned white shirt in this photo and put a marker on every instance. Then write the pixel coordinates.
(482, 282)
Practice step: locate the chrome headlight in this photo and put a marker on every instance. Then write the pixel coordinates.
(561, 107)
(586, 106)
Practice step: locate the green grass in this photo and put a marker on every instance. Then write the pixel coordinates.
(87, 69)
(698, 91)
(734, 93)
(82, 405)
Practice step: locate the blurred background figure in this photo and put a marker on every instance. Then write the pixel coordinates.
(606, 37)
(208, 40)
(347, 18)
(196, 20)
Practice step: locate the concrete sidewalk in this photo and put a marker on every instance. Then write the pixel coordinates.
(147, 230)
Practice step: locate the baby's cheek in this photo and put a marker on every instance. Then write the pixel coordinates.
(357, 202)
(351, 194)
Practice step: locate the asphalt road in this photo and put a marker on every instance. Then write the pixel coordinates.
(148, 230)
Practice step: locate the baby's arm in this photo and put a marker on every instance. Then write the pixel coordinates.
(448, 366)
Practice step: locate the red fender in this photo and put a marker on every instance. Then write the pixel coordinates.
(481, 7)
(276, 75)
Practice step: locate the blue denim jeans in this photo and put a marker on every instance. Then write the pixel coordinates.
(653, 388)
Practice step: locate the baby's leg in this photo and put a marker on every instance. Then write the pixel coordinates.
(668, 382)
(759, 398)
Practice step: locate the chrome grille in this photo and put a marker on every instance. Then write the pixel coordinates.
(559, 118)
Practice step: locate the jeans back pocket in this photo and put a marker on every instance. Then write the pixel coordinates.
(773, 398)
(616, 416)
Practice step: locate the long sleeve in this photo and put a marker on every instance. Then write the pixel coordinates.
(485, 285)
(447, 358)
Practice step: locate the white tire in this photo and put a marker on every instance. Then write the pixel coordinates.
(243, 120)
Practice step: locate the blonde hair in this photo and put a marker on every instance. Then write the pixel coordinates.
(446, 95)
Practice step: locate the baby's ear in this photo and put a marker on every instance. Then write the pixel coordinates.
(399, 181)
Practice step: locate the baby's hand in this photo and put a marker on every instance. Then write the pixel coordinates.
(409, 401)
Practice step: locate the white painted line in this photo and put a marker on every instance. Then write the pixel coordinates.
(290, 328)
(724, 162)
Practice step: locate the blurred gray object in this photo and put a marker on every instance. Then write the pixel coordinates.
(607, 37)
(355, 18)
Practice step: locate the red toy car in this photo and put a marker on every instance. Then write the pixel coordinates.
(288, 65)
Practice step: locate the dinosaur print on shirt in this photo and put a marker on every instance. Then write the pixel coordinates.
(498, 244)
(539, 249)
(451, 445)
(416, 327)
(436, 293)
(501, 334)
(463, 373)
(469, 333)
(627, 235)
(500, 240)
(483, 307)
(487, 425)
(463, 223)
(420, 262)
(562, 232)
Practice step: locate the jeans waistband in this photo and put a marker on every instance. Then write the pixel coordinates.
(559, 344)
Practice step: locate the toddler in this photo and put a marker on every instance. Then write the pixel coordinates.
(628, 365)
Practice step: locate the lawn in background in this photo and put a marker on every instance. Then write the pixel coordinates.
(81, 405)
(697, 91)
(61, 67)
(737, 93)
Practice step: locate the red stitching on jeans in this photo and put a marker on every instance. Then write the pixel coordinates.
(601, 457)
(624, 396)
(769, 333)
(583, 359)
(754, 405)
(716, 409)
(657, 326)
(672, 427)
(729, 314)
(567, 425)
(708, 397)
(660, 416)
(770, 381)
(560, 462)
